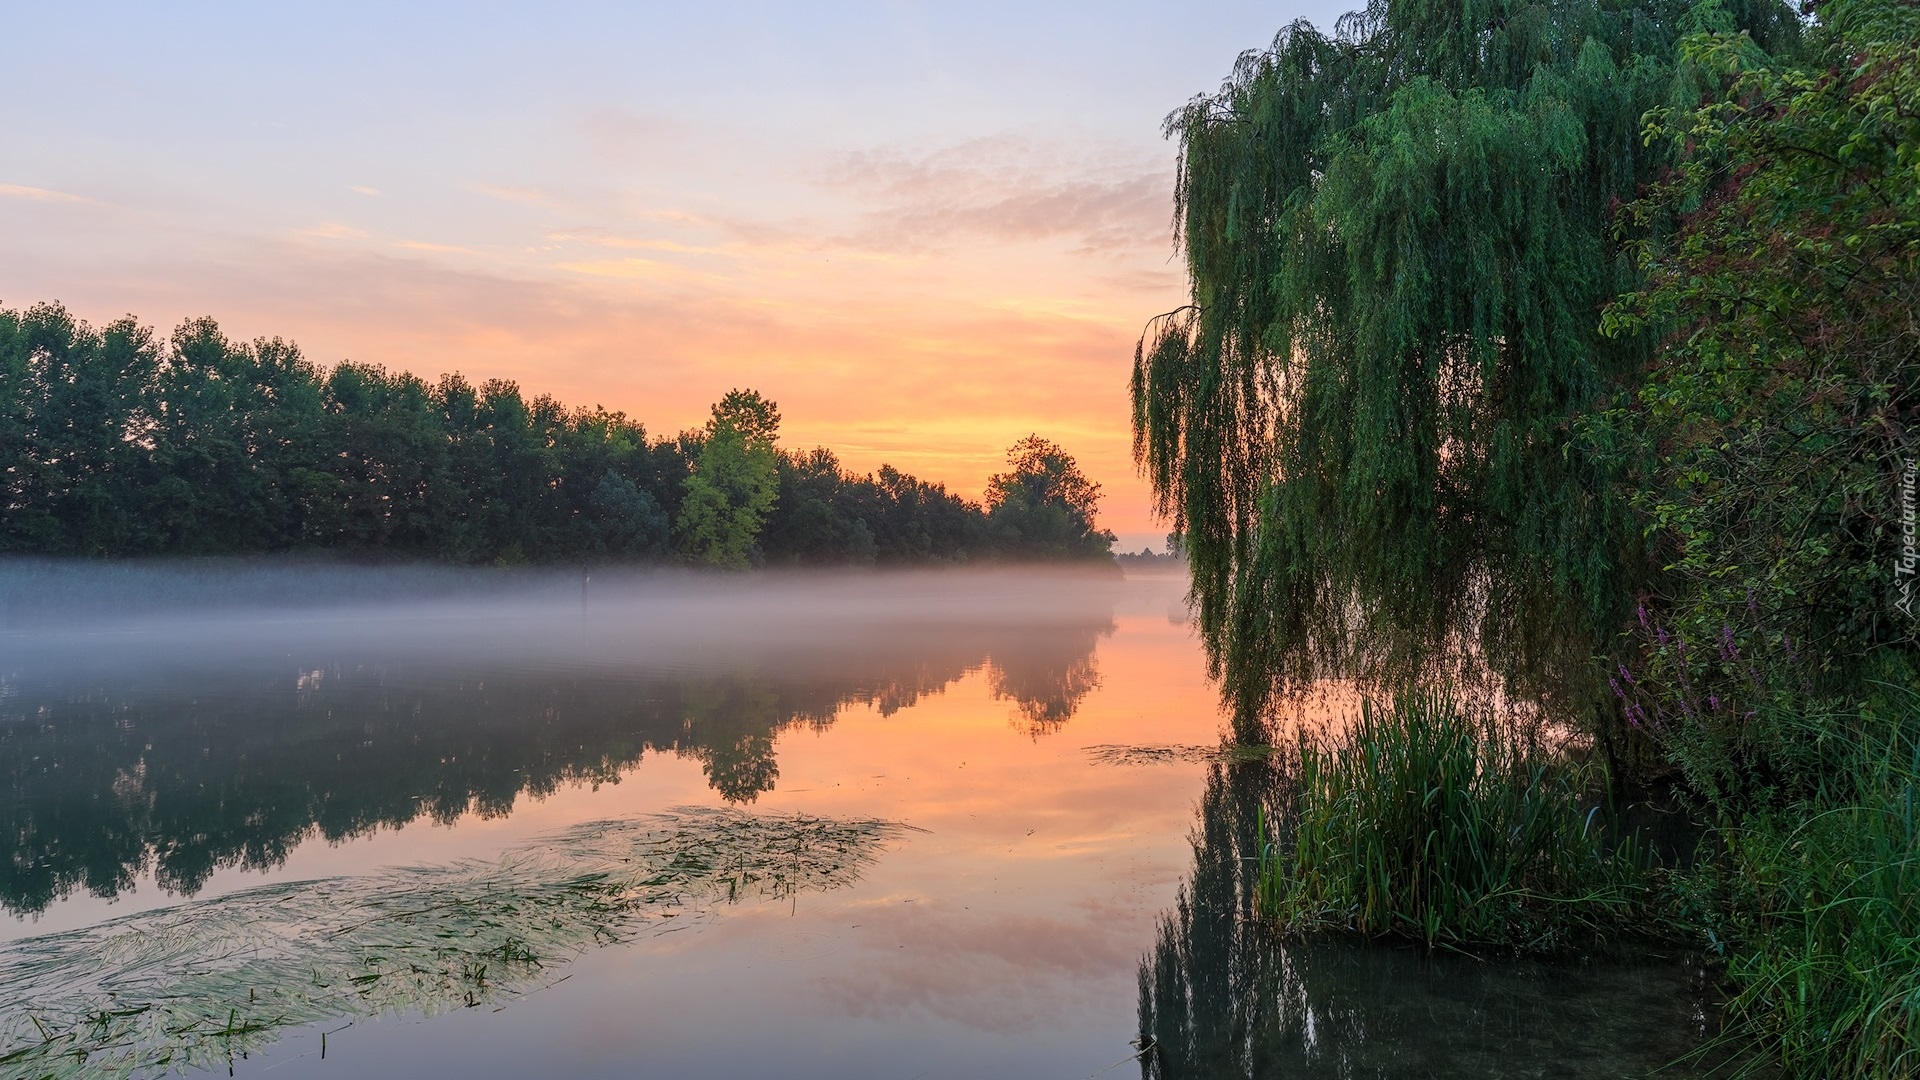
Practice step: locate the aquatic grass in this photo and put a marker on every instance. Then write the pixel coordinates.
(1819, 915)
(195, 985)
(1451, 826)
(1162, 754)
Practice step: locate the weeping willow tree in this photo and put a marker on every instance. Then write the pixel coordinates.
(1399, 239)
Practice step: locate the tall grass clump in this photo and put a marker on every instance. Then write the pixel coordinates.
(1821, 909)
(1453, 826)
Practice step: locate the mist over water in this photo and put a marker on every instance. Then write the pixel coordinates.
(234, 614)
(941, 823)
(171, 721)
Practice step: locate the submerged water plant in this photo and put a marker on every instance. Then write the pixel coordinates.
(1161, 754)
(195, 985)
(1454, 827)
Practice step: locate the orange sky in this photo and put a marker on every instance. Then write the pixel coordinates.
(923, 236)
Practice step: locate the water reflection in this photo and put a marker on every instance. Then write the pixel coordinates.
(1220, 996)
(180, 747)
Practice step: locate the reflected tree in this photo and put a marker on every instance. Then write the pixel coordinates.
(1222, 996)
(1047, 677)
(113, 772)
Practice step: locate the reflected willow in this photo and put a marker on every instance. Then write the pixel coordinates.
(195, 985)
(1221, 995)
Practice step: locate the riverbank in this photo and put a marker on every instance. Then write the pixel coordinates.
(1429, 823)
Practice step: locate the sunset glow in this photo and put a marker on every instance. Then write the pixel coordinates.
(924, 232)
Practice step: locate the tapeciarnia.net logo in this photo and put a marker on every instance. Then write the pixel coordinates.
(1903, 569)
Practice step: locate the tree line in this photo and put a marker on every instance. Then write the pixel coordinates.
(116, 441)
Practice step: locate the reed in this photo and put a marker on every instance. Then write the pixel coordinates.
(1821, 916)
(1452, 826)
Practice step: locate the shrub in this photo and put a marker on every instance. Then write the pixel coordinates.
(1452, 826)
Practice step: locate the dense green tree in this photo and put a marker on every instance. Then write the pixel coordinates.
(116, 441)
(1044, 507)
(370, 492)
(817, 517)
(734, 484)
(1768, 451)
(1399, 239)
(627, 523)
(218, 481)
(76, 402)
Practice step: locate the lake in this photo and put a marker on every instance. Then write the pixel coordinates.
(389, 822)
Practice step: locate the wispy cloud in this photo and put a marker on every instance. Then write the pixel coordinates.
(441, 249)
(1008, 189)
(362, 189)
(635, 269)
(608, 238)
(39, 194)
(524, 196)
(333, 230)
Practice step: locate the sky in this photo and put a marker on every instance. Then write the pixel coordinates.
(924, 230)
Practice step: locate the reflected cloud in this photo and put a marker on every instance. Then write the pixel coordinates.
(928, 958)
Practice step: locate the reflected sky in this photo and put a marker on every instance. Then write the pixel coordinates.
(172, 747)
(1003, 937)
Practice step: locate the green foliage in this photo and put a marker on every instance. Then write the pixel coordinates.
(1768, 456)
(1814, 905)
(72, 407)
(120, 442)
(1221, 995)
(1398, 238)
(1044, 507)
(1430, 821)
(1768, 448)
(629, 523)
(734, 483)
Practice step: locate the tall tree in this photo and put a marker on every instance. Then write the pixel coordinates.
(1044, 507)
(76, 401)
(734, 483)
(1399, 240)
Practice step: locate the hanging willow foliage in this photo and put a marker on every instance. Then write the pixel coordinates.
(1399, 240)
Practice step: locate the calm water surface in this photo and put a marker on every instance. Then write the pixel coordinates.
(952, 873)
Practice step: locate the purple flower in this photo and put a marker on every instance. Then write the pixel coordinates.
(1727, 651)
(1625, 674)
(1713, 702)
(1642, 609)
(1615, 683)
(1661, 633)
